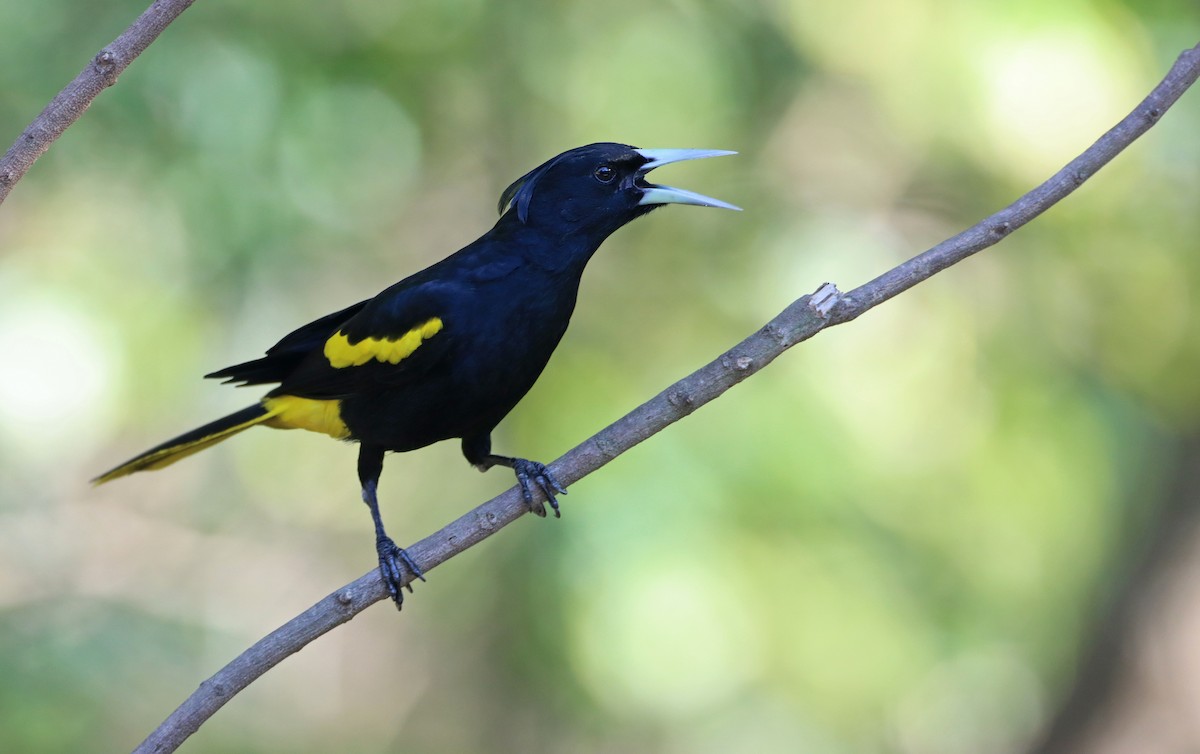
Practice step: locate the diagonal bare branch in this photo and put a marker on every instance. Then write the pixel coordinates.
(100, 73)
(798, 322)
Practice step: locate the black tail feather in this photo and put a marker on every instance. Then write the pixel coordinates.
(188, 443)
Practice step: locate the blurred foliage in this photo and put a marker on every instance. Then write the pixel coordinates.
(894, 539)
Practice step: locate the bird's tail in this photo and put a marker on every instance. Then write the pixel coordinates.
(191, 442)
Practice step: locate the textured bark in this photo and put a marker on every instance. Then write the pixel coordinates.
(100, 73)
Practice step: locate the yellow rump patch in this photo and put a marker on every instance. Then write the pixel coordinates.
(290, 412)
(342, 353)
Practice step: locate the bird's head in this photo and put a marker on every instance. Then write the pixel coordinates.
(600, 187)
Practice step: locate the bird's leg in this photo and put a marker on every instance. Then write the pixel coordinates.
(392, 559)
(478, 453)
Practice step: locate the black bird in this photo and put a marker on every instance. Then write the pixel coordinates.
(449, 351)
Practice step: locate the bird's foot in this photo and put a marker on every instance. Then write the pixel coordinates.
(530, 473)
(392, 562)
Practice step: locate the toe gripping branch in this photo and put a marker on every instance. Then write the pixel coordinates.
(478, 451)
(393, 560)
(530, 473)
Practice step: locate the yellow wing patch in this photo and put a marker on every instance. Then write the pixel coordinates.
(342, 353)
(290, 412)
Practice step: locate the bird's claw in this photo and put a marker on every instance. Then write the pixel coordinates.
(392, 562)
(530, 473)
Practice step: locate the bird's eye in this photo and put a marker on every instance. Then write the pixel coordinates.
(604, 174)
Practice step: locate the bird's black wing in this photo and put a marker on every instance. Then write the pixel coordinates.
(285, 356)
(393, 338)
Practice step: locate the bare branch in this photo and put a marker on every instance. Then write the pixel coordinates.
(100, 73)
(800, 321)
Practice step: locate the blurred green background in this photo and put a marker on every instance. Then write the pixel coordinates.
(897, 538)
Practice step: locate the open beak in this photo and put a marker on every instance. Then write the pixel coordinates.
(652, 194)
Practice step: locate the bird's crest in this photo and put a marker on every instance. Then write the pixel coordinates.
(520, 193)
